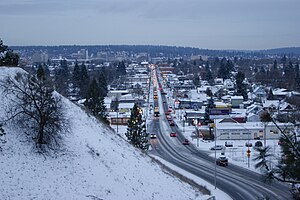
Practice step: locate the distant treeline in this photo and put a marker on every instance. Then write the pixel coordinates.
(157, 50)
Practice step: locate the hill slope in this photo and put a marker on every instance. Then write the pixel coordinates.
(96, 164)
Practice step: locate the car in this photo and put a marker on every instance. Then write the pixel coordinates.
(167, 113)
(222, 161)
(248, 144)
(169, 118)
(186, 142)
(173, 134)
(228, 144)
(258, 144)
(171, 123)
(218, 147)
(152, 136)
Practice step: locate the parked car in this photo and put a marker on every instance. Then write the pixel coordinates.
(218, 147)
(222, 161)
(248, 144)
(186, 142)
(152, 136)
(228, 144)
(173, 134)
(258, 144)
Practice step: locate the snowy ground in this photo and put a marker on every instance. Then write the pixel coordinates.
(95, 164)
(218, 194)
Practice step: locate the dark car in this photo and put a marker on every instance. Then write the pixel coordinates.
(228, 144)
(173, 134)
(153, 136)
(258, 144)
(172, 123)
(222, 161)
(185, 142)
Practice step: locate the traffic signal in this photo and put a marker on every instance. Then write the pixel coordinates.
(248, 152)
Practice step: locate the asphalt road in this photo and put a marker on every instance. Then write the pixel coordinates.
(237, 182)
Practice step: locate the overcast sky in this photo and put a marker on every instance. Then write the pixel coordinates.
(212, 24)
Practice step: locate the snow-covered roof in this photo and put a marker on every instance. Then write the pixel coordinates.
(237, 97)
(271, 103)
(118, 91)
(126, 105)
(126, 97)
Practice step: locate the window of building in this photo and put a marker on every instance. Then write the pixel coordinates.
(224, 133)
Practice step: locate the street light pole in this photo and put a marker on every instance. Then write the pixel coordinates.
(215, 131)
(117, 121)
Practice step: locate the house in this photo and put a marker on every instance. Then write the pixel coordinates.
(271, 104)
(228, 84)
(254, 109)
(252, 117)
(259, 92)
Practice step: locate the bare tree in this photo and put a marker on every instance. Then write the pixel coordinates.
(36, 106)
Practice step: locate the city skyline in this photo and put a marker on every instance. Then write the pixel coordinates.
(218, 24)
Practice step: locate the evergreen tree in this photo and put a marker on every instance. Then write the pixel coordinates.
(76, 75)
(41, 73)
(103, 84)
(208, 75)
(288, 168)
(240, 85)
(62, 78)
(210, 105)
(136, 131)
(84, 80)
(224, 70)
(297, 77)
(7, 57)
(121, 69)
(95, 102)
(196, 80)
(275, 67)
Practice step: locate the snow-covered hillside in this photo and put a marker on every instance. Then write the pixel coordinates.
(96, 164)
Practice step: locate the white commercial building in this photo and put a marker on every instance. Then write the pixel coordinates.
(228, 129)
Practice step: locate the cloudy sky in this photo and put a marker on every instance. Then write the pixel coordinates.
(212, 24)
